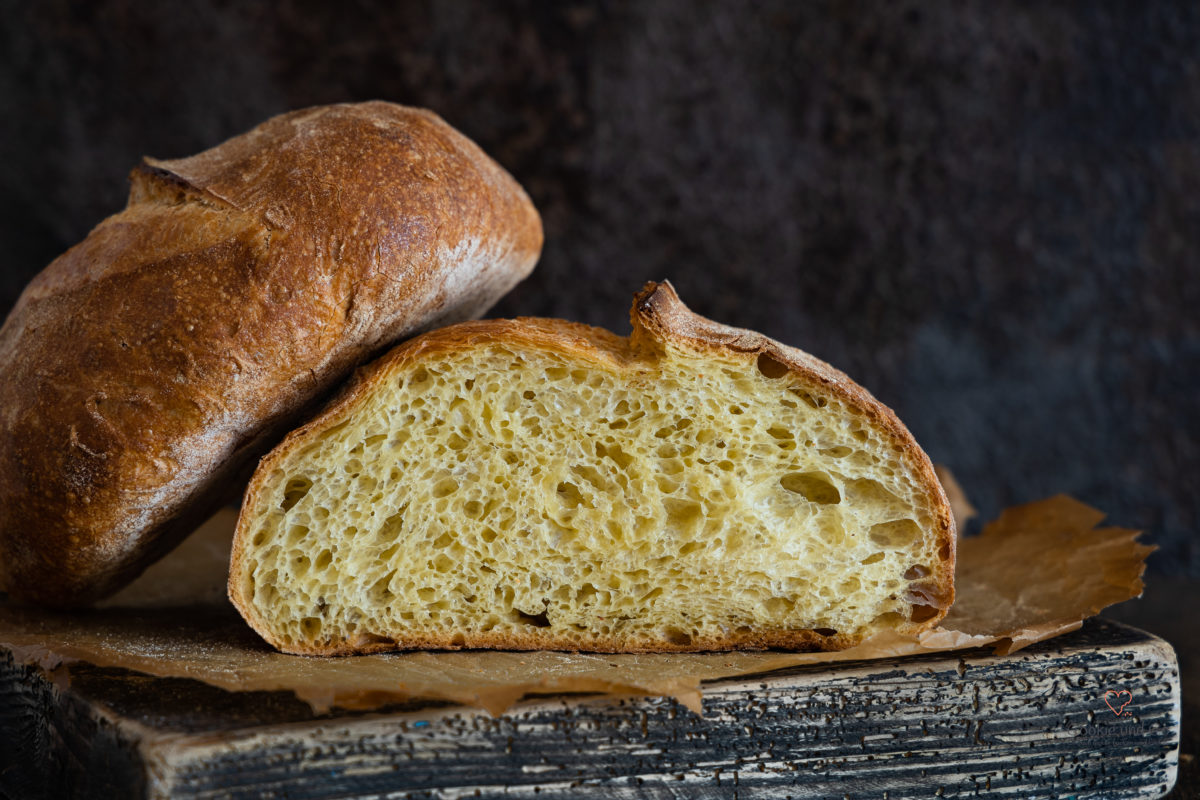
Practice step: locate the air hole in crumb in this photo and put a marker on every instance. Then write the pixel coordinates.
(944, 552)
(295, 535)
(809, 399)
(682, 515)
(916, 571)
(294, 492)
(923, 594)
(677, 637)
(812, 486)
(771, 367)
(825, 631)
(390, 530)
(872, 492)
(458, 640)
(874, 558)
(923, 613)
(373, 638)
(569, 495)
(536, 620)
(381, 591)
(650, 595)
(897, 534)
(528, 394)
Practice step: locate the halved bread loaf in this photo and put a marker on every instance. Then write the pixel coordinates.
(536, 483)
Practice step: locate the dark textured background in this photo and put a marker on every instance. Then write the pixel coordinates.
(988, 213)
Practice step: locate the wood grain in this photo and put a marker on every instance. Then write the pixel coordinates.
(1034, 724)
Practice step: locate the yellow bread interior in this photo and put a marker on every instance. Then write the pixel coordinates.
(507, 492)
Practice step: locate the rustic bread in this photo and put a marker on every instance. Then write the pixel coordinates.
(536, 483)
(146, 369)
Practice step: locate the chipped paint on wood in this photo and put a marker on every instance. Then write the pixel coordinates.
(1035, 724)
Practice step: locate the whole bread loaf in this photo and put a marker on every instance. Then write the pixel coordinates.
(145, 370)
(537, 483)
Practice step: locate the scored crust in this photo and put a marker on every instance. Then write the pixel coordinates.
(660, 320)
(144, 371)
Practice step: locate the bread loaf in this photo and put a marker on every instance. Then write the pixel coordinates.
(146, 369)
(536, 483)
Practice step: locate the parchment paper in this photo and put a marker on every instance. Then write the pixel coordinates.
(1036, 572)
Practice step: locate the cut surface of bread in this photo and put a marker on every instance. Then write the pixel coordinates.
(536, 483)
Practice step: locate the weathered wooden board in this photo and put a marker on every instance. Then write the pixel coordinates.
(1051, 721)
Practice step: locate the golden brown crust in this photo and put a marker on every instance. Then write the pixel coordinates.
(660, 319)
(798, 641)
(146, 368)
